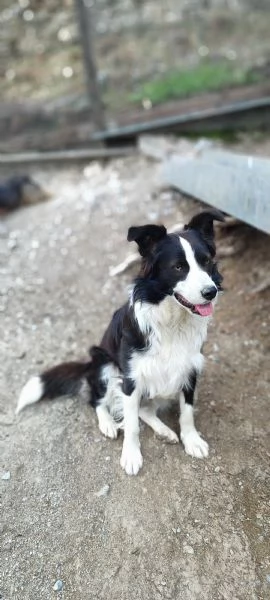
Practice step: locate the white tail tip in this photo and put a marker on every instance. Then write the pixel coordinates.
(32, 392)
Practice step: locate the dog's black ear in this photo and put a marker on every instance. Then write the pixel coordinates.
(203, 222)
(146, 237)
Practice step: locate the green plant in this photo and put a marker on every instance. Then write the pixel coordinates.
(206, 76)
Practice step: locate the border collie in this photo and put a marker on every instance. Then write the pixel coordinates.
(150, 353)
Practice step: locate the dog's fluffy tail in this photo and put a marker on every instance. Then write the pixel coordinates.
(62, 380)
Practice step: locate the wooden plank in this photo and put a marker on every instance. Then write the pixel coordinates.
(67, 155)
(242, 192)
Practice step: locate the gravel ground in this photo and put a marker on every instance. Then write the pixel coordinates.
(73, 525)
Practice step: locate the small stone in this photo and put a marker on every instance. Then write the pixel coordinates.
(176, 530)
(104, 491)
(188, 550)
(217, 469)
(6, 476)
(12, 244)
(268, 578)
(58, 586)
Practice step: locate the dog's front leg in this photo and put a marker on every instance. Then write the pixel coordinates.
(193, 443)
(131, 458)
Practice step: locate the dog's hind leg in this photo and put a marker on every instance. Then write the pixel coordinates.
(148, 415)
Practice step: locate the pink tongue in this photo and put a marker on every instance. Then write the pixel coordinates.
(204, 309)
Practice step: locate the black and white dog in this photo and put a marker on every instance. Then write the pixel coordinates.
(151, 352)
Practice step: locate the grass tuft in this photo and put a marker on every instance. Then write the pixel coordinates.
(207, 76)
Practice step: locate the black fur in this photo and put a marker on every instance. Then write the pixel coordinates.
(97, 386)
(65, 379)
(11, 191)
(146, 236)
(203, 224)
(120, 339)
(190, 389)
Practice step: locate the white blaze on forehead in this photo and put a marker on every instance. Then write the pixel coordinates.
(197, 278)
(190, 256)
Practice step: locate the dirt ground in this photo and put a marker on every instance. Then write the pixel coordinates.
(184, 529)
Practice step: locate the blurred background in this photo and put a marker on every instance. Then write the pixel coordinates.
(151, 57)
(71, 69)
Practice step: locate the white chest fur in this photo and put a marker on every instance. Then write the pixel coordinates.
(175, 339)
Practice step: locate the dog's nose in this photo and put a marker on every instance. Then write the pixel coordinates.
(209, 292)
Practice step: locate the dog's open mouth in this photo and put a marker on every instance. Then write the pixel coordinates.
(204, 310)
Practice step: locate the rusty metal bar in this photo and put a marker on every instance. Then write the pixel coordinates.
(239, 115)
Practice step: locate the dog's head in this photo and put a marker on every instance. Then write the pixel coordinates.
(179, 265)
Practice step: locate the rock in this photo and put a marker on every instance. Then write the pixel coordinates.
(12, 244)
(176, 530)
(6, 476)
(58, 586)
(104, 491)
(188, 549)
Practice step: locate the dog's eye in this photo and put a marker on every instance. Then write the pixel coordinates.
(207, 262)
(178, 267)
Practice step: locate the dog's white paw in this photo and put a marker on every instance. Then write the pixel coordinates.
(131, 459)
(108, 426)
(194, 445)
(167, 434)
